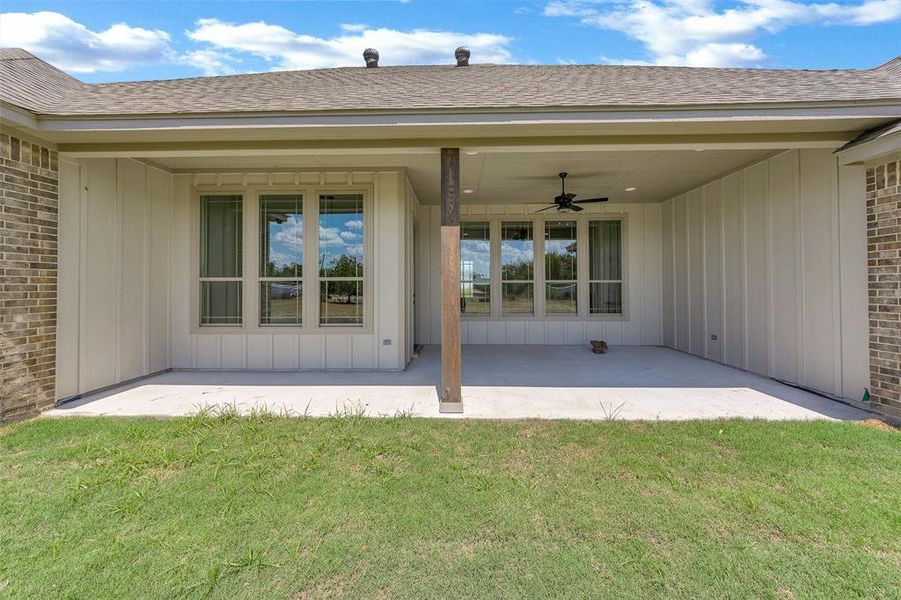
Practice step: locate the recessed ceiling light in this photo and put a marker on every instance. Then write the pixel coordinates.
(631, 189)
(467, 191)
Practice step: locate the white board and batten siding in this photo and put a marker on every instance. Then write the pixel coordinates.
(113, 319)
(125, 279)
(762, 272)
(643, 324)
(284, 349)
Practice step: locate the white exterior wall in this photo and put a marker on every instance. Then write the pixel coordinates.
(642, 324)
(114, 273)
(765, 270)
(295, 349)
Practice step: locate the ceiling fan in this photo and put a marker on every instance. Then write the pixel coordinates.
(566, 202)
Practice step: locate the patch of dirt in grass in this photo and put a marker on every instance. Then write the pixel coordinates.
(333, 587)
(157, 474)
(784, 593)
(468, 548)
(878, 424)
(520, 463)
(895, 557)
(573, 454)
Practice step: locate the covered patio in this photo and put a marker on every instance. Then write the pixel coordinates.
(511, 382)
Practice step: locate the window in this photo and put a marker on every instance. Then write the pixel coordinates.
(605, 267)
(281, 259)
(341, 243)
(221, 259)
(475, 268)
(560, 268)
(517, 268)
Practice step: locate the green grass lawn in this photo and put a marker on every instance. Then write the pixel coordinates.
(414, 508)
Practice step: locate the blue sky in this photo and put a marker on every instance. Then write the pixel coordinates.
(124, 40)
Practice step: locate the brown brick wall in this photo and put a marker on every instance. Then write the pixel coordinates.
(884, 260)
(29, 177)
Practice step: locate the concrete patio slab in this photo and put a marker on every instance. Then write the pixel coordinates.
(499, 382)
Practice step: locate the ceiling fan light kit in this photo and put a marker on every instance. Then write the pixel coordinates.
(566, 202)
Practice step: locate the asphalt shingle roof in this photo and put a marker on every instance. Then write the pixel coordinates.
(30, 83)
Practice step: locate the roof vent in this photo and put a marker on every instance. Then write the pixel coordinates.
(371, 56)
(462, 55)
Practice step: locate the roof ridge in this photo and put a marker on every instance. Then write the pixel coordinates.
(384, 68)
(891, 66)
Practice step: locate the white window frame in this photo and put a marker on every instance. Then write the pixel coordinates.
(491, 268)
(537, 251)
(197, 280)
(578, 280)
(251, 261)
(623, 268)
(367, 263)
(268, 279)
(538, 283)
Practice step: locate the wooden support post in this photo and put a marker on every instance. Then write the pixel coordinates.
(450, 396)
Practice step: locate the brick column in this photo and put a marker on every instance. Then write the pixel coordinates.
(29, 177)
(884, 260)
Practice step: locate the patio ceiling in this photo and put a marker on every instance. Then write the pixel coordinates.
(507, 177)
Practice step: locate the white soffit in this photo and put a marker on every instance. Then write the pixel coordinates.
(515, 177)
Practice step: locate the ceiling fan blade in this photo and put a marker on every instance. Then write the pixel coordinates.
(587, 200)
(546, 208)
(575, 208)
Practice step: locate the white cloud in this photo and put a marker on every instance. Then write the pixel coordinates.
(716, 55)
(211, 62)
(513, 252)
(73, 47)
(698, 33)
(288, 241)
(286, 49)
(354, 224)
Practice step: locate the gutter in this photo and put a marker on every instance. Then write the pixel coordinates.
(376, 120)
(461, 116)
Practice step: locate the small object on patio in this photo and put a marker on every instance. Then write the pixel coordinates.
(599, 346)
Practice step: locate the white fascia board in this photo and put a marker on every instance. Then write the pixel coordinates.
(871, 150)
(456, 118)
(17, 117)
(104, 150)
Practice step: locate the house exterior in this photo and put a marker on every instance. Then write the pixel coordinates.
(334, 219)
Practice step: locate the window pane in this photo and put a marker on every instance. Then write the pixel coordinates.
(281, 303)
(475, 298)
(475, 252)
(221, 230)
(341, 302)
(517, 251)
(281, 236)
(560, 298)
(605, 259)
(341, 235)
(606, 298)
(560, 250)
(220, 302)
(517, 299)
